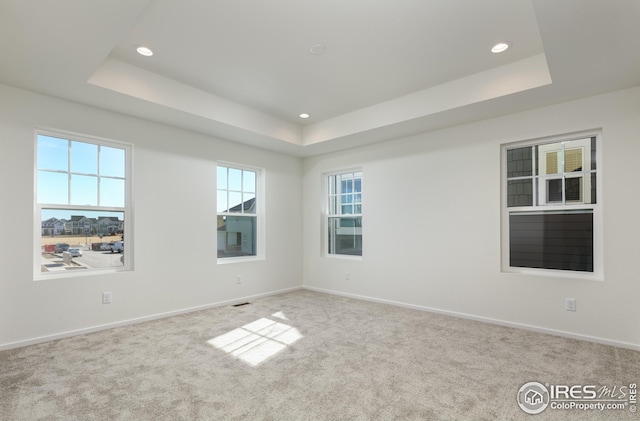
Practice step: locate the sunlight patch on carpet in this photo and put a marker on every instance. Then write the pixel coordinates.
(257, 341)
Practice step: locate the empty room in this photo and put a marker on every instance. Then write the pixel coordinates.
(319, 210)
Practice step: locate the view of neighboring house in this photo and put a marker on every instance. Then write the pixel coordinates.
(81, 225)
(108, 225)
(236, 231)
(53, 226)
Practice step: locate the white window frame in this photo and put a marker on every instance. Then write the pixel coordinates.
(327, 215)
(596, 208)
(259, 215)
(127, 210)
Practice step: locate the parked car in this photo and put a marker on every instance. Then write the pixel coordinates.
(75, 252)
(60, 247)
(118, 246)
(106, 246)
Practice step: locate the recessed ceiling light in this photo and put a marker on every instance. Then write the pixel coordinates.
(304, 115)
(500, 47)
(317, 49)
(144, 51)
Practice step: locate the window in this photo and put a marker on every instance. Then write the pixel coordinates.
(551, 215)
(82, 198)
(238, 205)
(344, 213)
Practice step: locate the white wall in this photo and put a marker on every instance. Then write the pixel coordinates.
(174, 186)
(431, 224)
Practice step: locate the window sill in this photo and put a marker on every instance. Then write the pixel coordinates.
(551, 273)
(343, 256)
(240, 259)
(77, 273)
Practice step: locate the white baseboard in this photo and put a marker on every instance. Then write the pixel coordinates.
(522, 326)
(98, 328)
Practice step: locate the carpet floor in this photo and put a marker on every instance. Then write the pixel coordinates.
(305, 355)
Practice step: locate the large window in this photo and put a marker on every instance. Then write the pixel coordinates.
(344, 213)
(551, 212)
(83, 197)
(238, 204)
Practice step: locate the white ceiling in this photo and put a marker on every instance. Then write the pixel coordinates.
(242, 70)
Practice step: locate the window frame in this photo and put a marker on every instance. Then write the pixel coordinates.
(550, 207)
(327, 215)
(127, 209)
(259, 213)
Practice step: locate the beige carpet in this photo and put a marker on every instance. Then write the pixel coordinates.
(304, 356)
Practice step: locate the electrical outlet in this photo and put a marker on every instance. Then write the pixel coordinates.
(106, 298)
(570, 304)
(238, 279)
(347, 275)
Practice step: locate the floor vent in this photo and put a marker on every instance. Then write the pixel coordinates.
(241, 304)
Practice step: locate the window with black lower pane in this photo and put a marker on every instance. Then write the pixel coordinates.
(237, 204)
(552, 240)
(551, 205)
(344, 213)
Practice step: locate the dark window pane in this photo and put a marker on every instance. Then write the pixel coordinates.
(519, 193)
(562, 241)
(519, 162)
(573, 189)
(554, 190)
